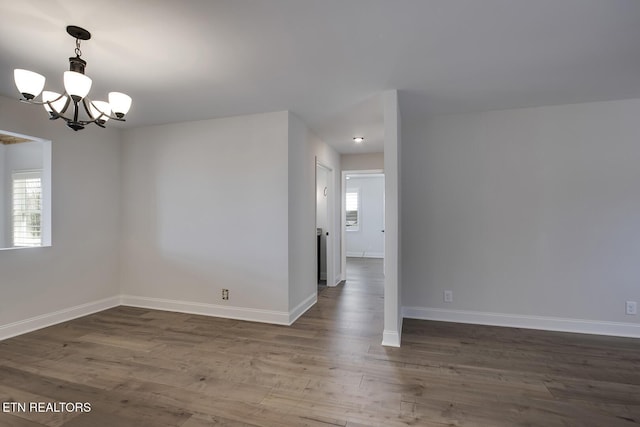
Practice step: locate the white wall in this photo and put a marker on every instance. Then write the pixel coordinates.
(327, 156)
(302, 226)
(304, 149)
(205, 207)
(27, 155)
(368, 240)
(82, 266)
(225, 203)
(392, 333)
(198, 206)
(301, 210)
(531, 213)
(363, 161)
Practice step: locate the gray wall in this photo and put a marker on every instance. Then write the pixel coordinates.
(532, 212)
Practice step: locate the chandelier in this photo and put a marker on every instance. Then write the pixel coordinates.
(69, 106)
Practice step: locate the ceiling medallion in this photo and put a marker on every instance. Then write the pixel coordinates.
(77, 86)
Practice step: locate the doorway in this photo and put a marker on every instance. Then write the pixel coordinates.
(363, 216)
(324, 224)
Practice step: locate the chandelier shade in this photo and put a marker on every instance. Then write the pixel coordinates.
(120, 103)
(29, 84)
(81, 110)
(77, 85)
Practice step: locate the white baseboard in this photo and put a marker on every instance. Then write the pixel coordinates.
(229, 312)
(301, 308)
(365, 255)
(390, 339)
(240, 313)
(618, 329)
(337, 280)
(50, 319)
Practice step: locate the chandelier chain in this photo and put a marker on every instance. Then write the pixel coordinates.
(78, 51)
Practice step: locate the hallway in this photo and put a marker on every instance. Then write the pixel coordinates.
(364, 281)
(355, 307)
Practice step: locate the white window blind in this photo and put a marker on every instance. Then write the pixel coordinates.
(351, 205)
(27, 208)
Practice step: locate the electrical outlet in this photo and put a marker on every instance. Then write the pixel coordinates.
(225, 294)
(631, 308)
(448, 296)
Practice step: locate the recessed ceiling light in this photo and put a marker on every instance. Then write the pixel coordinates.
(358, 139)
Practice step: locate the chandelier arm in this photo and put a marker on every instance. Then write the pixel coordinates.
(74, 120)
(58, 114)
(34, 102)
(86, 108)
(99, 121)
(113, 118)
(66, 104)
(102, 114)
(55, 114)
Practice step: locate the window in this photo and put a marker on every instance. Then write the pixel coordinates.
(25, 191)
(27, 208)
(352, 205)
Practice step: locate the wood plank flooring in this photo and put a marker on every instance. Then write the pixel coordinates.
(141, 367)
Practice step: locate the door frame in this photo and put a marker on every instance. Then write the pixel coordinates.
(343, 215)
(330, 220)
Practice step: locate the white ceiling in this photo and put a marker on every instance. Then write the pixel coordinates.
(327, 60)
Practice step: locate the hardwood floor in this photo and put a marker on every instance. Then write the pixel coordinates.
(139, 367)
